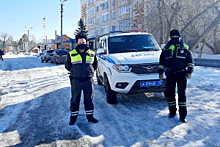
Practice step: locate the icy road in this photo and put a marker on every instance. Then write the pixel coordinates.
(34, 111)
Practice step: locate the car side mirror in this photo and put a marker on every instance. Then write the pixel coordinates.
(101, 51)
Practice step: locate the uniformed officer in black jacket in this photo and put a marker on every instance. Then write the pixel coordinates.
(177, 61)
(82, 63)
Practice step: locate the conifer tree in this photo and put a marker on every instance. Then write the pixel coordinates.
(81, 27)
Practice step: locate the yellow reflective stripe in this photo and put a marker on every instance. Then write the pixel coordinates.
(172, 47)
(90, 59)
(186, 46)
(75, 59)
(78, 59)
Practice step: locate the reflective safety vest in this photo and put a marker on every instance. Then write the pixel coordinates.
(181, 51)
(77, 59)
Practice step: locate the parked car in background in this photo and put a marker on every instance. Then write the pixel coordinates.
(59, 56)
(46, 55)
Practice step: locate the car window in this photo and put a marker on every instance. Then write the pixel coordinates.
(62, 52)
(50, 51)
(132, 43)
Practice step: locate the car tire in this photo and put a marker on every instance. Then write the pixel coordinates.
(46, 61)
(98, 80)
(42, 61)
(110, 94)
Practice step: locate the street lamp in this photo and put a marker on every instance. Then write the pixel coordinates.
(28, 35)
(62, 1)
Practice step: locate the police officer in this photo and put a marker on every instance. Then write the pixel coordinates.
(177, 62)
(82, 63)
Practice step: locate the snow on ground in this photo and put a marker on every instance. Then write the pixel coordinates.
(34, 111)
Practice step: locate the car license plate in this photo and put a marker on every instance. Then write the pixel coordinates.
(151, 83)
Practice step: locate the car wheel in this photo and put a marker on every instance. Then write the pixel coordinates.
(98, 80)
(110, 94)
(46, 61)
(42, 61)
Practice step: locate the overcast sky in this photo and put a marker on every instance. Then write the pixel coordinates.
(16, 14)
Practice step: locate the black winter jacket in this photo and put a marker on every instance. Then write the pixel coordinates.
(83, 71)
(176, 57)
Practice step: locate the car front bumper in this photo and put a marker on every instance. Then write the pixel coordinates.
(132, 83)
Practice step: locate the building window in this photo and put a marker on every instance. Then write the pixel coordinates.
(105, 5)
(97, 32)
(97, 20)
(91, 21)
(91, 32)
(97, 8)
(91, 11)
(113, 28)
(91, 1)
(124, 25)
(124, 9)
(104, 30)
(105, 17)
(113, 14)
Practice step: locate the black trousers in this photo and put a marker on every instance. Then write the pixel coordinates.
(76, 88)
(181, 81)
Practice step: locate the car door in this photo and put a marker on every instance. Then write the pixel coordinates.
(101, 59)
(53, 56)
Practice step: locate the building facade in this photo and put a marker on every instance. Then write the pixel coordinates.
(103, 16)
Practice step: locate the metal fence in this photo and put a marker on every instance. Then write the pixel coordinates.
(207, 62)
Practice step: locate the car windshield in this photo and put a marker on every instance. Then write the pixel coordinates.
(132, 43)
(62, 52)
(50, 51)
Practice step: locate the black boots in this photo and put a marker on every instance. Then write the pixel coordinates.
(183, 120)
(171, 115)
(72, 120)
(90, 118)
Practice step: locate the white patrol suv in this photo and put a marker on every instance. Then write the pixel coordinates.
(128, 63)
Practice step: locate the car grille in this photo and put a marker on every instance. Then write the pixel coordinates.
(144, 68)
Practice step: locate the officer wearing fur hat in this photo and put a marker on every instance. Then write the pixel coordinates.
(82, 63)
(176, 61)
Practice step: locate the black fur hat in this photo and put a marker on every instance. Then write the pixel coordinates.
(80, 35)
(175, 33)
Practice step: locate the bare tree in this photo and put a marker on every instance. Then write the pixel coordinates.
(198, 20)
(209, 28)
(5, 39)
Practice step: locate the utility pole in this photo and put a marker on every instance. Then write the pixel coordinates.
(62, 22)
(28, 37)
(61, 25)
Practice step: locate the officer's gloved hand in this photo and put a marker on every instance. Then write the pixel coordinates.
(161, 77)
(188, 76)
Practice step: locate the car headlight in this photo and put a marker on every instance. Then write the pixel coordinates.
(122, 68)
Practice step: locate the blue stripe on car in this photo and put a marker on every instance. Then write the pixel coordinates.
(106, 58)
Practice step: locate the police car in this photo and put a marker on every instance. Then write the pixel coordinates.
(128, 63)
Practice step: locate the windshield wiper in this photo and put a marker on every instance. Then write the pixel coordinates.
(131, 50)
(149, 49)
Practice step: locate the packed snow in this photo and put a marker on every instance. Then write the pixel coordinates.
(34, 111)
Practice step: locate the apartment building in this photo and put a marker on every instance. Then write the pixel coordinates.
(103, 16)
